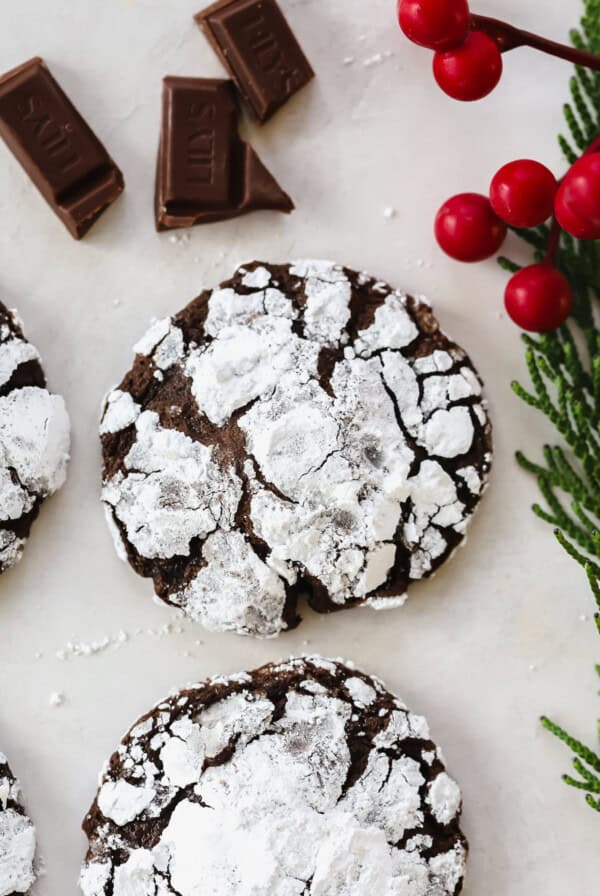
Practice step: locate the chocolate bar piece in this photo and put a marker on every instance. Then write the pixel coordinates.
(260, 51)
(56, 147)
(205, 171)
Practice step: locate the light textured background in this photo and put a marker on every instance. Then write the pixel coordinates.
(497, 637)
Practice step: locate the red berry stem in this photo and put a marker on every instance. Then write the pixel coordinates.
(507, 37)
(553, 242)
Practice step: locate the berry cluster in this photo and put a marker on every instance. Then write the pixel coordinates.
(471, 227)
(468, 48)
(467, 64)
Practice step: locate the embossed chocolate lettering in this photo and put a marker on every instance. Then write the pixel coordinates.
(256, 44)
(52, 137)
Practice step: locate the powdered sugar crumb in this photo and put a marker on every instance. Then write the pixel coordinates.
(77, 649)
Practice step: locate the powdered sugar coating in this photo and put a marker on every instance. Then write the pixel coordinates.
(245, 362)
(328, 294)
(171, 491)
(344, 433)
(34, 439)
(236, 591)
(305, 778)
(34, 435)
(119, 413)
(17, 837)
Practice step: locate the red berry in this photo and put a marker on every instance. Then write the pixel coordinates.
(467, 228)
(538, 298)
(522, 193)
(577, 227)
(577, 204)
(471, 71)
(593, 147)
(436, 24)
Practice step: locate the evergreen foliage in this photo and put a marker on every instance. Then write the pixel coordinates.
(564, 367)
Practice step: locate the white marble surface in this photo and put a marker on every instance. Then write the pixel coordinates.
(497, 637)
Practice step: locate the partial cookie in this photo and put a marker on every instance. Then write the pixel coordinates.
(301, 428)
(301, 779)
(17, 837)
(34, 439)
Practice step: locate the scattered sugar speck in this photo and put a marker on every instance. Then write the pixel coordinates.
(57, 698)
(373, 60)
(74, 649)
(179, 239)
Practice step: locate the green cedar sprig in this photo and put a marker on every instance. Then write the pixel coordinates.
(564, 368)
(585, 761)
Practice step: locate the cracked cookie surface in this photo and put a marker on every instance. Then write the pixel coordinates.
(17, 837)
(301, 429)
(34, 439)
(304, 778)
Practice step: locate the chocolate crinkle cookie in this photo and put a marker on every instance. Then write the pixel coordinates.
(34, 439)
(300, 429)
(17, 837)
(305, 778)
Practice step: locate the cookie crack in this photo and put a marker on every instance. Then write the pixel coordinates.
(328, 456)
(265, 483)
(419, 453)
